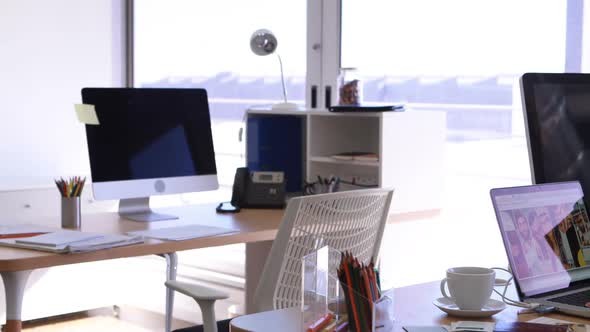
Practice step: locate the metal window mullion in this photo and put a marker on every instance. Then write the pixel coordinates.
(129, 44)
(314, 53)
(331, 49)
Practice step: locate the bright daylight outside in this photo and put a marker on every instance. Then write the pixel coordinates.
(459, 57)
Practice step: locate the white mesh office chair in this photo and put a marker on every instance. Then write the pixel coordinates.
(351, 221)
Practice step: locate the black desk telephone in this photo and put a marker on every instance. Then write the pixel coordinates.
(256, 190)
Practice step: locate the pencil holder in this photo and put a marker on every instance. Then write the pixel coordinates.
(70, 212)
(326, 302)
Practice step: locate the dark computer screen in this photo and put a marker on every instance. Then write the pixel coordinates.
(557, 112)
(149, 133)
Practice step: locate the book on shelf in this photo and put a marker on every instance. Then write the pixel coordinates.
(360, 156)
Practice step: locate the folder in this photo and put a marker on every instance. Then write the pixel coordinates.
(59, 238)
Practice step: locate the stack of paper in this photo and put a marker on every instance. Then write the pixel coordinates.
(58, 239)
(182, 232)
(68, 241)
(106, 241)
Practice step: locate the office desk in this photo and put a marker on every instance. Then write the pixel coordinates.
(256, 228)
(413, 306)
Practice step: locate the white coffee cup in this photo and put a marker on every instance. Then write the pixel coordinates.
(469, 287)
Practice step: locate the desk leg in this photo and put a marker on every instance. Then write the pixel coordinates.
(256, 253)
(14, 288)
(171, 265)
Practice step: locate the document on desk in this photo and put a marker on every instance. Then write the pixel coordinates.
(59, 238)
(105, 241)
(182, 232)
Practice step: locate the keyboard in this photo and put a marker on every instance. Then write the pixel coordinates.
(576, 299)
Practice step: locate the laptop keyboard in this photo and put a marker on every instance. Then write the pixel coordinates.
(577, 299)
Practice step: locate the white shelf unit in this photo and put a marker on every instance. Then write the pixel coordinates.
(410, 146)
(330, 160)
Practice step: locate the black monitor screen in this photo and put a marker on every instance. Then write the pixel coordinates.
(557, 110)
(149, 133)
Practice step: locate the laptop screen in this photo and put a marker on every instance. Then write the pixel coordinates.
(546, 233)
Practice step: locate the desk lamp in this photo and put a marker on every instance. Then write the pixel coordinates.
(263, 42)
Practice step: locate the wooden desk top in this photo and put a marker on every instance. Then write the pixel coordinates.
(253, 224)
(413, 306)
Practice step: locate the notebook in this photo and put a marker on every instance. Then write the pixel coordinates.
(58, 238)
(105, 241)
(546, 233)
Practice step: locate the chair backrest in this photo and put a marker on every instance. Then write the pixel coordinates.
(351, 221)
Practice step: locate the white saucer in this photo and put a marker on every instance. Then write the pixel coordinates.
(492, 307)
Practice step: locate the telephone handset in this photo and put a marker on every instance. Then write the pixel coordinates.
(239, 188)
(256, 190)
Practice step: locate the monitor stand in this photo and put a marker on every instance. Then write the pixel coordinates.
(138, 209)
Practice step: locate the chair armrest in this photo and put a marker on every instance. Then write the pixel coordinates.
(197, 292)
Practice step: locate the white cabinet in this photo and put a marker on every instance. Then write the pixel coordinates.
(409, 145)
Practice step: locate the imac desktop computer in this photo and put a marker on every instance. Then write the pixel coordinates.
(149, 141)
(557, 120)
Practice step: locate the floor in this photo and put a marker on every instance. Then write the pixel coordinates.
(90, 324)
(125, 318)
(463, 233)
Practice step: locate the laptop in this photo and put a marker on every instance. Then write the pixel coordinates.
(546, 234)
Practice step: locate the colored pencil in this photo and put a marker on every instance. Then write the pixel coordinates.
(321, 323)
(70, 188)
(361, 290)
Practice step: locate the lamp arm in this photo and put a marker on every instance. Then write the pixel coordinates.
(282, 79)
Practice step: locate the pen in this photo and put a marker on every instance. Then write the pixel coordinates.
(321, 323)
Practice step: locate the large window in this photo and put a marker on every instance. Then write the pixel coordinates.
(205, 44)
(462, 58)
(458, 57)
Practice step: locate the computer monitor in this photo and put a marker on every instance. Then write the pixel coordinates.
(557, 118)
(149, 142)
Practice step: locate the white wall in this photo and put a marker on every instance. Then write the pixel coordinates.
(49, 50)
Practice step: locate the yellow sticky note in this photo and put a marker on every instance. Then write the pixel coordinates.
(86, 114)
